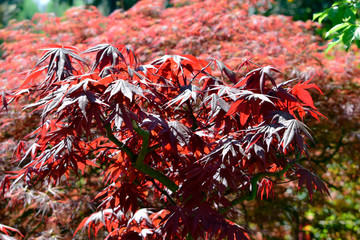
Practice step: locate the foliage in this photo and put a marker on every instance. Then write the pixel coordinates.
(345, 27)
(16, 9)
(110, 6)
(299, 10)
(160, 130)
(105, 6)
(194, 28)
(8, 10)
(58, 7)
(28, 9)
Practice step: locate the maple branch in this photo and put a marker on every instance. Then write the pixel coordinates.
(254, 187)
(122, 146)
(163, 192)
(141, 166)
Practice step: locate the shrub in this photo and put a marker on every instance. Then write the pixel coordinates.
(203, 28)
(177, 147)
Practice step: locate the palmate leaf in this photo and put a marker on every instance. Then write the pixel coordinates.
(180, 132)
(225, 91)
(225, 149)
(125, 88)
(4, 229)
(169, 66)
(216, 101)
(256, 78)
(106, 54)
(242, 108)
(50, 102)
(152, 121)
(300, 91)
(127, 197)
(133, 58)
(140, 215)
(266, 189)
(60, 60)
(265, 72)
(34, 74)
(311, 182)
(247, 102)
(102, 217)
(199, 220)
(266, 132)
(293, 130)
(86, 98)
(250, 95)
(176, 59)
(191, 92)
(216, 104)
(225, 69)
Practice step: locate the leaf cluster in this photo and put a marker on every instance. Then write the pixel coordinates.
(226, 31)
(158, 131)
(345, 27)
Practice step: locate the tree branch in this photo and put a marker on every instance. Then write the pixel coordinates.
(254, 187)
(163, 192)
(121, 145)
(141, 166)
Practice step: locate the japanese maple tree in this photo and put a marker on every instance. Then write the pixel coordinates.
(179, 141)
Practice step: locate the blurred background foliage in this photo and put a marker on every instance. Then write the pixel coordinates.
(25, 9)
(298, 9)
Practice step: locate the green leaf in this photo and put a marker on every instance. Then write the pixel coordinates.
(348, 36)
(342, 3)
(349, 16)
(336, 14)
(331, 45)
(321, 15)
(357, 33)
(317, 15)
(357, 42)
(336, 28)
